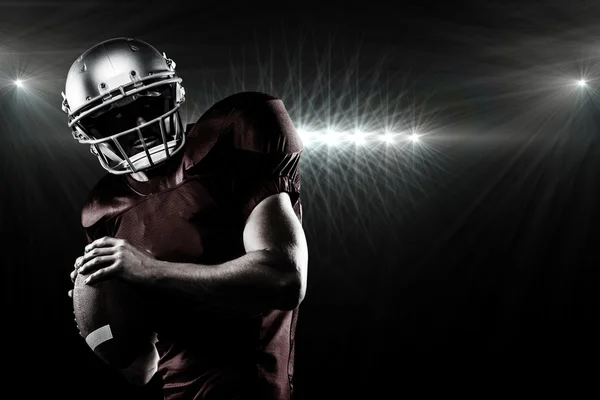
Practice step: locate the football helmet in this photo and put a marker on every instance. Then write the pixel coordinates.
(122, 97)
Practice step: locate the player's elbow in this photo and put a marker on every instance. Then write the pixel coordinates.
(292, 284)
(138, 378)
(141, 371)
(293, 292)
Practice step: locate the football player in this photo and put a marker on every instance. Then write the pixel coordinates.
(205, 219)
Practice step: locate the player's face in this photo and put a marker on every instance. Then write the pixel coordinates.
(147, 107)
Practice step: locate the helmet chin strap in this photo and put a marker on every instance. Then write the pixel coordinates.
(107, 151)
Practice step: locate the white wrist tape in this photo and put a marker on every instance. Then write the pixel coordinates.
(99, 336)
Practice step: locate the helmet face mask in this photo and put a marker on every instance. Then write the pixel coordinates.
(126, 97)
(137, 111)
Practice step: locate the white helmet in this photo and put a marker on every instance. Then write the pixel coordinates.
(122, 97)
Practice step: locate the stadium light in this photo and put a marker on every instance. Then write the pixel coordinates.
(359, 138)
(388, 137)
(335, 137)
(332, 137)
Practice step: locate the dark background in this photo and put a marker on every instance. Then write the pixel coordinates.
(463, 264)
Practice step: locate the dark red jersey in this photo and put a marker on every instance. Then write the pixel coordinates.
(193, 209)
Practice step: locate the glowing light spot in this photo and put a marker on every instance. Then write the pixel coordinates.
(19, 83)
(331, 138)
(582, 83)
(359, 138)
(306, 136)
(388, 138)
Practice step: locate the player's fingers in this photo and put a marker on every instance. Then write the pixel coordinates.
(77, 262)
(96, 252)
(101, 275)
(73, 275)
(106, 241)
(96, 263)
(71, 293)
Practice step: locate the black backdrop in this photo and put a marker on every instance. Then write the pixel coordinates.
(468, 256)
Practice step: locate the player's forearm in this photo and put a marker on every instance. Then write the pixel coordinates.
(258, 281)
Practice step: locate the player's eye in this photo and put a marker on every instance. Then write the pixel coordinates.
(150, 93)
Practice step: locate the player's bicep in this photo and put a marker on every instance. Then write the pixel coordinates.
(274, 226)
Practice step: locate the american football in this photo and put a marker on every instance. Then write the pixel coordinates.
(111, 318)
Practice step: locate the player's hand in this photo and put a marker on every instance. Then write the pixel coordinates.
(108, 258)
(73, 274)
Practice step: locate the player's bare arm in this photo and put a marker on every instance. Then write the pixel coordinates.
(271, 275)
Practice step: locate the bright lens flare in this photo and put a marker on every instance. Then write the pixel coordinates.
(333, 137)
(388, 137)
(581, 83)
(359, 138)
(19, 83)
